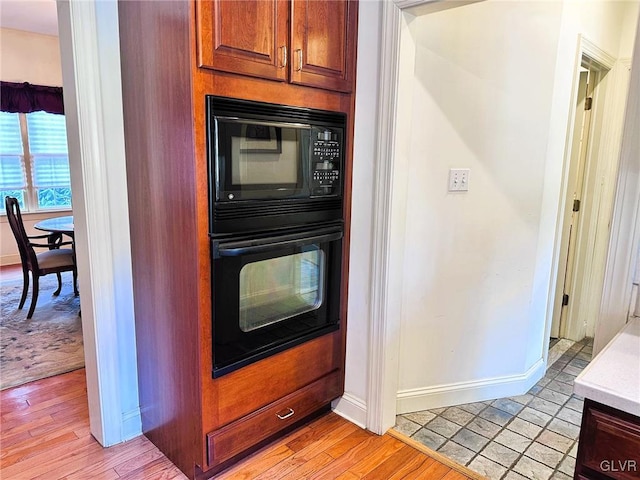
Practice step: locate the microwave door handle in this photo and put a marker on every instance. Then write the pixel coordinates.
(234, 249)
(305, 126)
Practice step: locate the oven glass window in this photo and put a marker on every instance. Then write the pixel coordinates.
(279, 288)
(264, 155)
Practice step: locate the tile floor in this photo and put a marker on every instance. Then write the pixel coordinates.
(531, 436)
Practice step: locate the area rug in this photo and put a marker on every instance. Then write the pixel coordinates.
(49, 343)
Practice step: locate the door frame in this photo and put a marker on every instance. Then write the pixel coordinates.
(93, 109)
(598, 194)
(397, 55)
(384, 340)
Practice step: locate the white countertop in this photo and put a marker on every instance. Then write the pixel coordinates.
(613, 376)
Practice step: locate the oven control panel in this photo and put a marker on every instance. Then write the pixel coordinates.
(326, 161)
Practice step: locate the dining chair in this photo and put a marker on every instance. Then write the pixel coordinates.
(54, 260)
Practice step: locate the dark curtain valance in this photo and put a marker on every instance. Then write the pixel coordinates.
(27, 98)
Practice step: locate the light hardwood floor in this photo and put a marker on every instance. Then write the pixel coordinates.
(44, 434)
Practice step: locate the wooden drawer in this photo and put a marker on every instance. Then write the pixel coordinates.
(242, 434)
(609, 445)
(236, 395)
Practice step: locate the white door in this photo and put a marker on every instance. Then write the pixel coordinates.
(575, 190)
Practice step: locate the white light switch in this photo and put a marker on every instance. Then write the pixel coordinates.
(458, 179)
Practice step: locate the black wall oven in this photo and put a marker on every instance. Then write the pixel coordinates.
(273, 292)
(276, 182)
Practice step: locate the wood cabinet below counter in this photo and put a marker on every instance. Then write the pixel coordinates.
(609, 444)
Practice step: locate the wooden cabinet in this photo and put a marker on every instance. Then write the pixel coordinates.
(242, 434)
(250, 38)
(305, 42)
(204, 424)
(322, 43)
(284, 377)
(609, 444)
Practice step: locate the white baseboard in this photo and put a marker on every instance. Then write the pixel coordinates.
(418, 399)
(12, 259)
(131, 424)
(352, 408)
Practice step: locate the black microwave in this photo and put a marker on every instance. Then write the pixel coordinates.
(273, 165)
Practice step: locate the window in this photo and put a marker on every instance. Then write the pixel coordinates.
(34, 162)
(278, 288)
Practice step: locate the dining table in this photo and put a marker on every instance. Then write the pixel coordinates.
(56, 227)
(62, 224)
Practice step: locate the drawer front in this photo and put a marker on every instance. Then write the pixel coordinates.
(236, 395)
(609, 444)
(250, 430)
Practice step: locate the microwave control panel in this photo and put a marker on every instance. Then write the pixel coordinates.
(326, 161)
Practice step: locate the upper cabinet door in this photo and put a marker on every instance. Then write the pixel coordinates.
(247, 37)
(323, 43)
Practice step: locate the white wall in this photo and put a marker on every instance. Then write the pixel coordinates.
(481, 100)
(29, 57)
(478, 267)
(33, 58)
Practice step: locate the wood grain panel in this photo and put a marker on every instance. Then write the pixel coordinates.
(244, 37)
(266, 381)
(325, 34)
(323, 39)
(249, 88)
(245, 432)
(157, 54)
(609, 444)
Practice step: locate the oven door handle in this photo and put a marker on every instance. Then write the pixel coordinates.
(245, 247)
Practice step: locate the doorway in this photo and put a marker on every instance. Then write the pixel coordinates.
(587, 205)
(577, 193)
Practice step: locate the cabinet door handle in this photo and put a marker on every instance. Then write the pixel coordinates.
(284, 56)
(299, 59)
(286, 415)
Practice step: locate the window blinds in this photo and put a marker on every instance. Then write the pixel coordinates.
(48, 147)
(12, 173)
